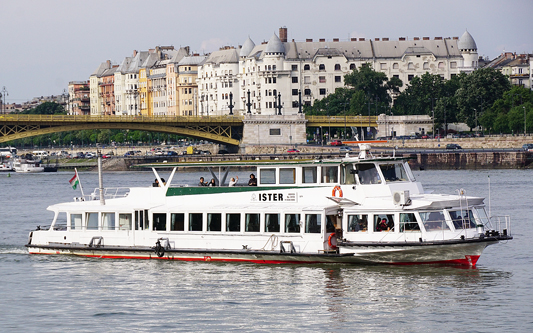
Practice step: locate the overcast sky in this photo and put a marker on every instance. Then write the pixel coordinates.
(47, 43)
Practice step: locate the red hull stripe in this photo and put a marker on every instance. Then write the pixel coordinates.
(467, 261)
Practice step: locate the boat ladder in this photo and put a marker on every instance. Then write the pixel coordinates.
(100, 241)
(282, 248)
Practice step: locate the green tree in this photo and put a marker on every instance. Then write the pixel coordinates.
(478, 92)
(46, 108)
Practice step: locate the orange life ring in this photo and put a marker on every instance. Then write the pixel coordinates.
(333, 247)
(336, 189)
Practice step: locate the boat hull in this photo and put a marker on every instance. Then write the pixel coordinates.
(465, 253)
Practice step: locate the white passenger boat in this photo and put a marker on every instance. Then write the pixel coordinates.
(360, 209)
(6, 164)
(27, 165)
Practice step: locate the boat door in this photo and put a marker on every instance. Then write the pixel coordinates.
(142, 223)
(333, 228)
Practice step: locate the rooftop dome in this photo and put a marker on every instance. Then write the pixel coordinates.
(466, 42)
(247, 48)
(274, 45)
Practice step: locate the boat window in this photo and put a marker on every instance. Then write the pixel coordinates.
(330, 223)
(108, 221)
(408, 222)
(292, 223)
(141, 220)
(313, 223)
(348, 174)
(252, 223)
(368, 174)
(233, 222)
(308, 175)
(287, 175)
(272, 223)
(267, 176)
(124, 221)
(195, 222)
(358, 223)
(329, 174)
(433, 221)
(394, 172)
(463, 219)
(383, 222)
(177, 222)
(92, 221)
(160, 221)
(214, 222)
(75, 221)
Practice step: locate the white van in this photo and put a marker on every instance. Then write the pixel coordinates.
(40, 153)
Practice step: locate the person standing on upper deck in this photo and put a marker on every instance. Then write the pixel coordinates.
(252, 181)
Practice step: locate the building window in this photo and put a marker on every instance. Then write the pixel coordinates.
(307, 92)
(273, 80)
(294, 67)
(453, 64)
(352, 66)
(294, 79)
(338, 78)
(322, 91)
(322, 79)
(410, 77)
(307, 80)
(321, 67)
(410, 66)
(383, 65)
(337, 67)
(441, 65)
(275, 131)
(395, 66)
(295, 104)
(306, 67)
(295, 92)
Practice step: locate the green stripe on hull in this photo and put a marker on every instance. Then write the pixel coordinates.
(177, 191)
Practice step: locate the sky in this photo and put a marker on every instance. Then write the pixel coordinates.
(45, 44)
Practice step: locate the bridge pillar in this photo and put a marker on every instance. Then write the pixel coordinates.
(274, 129)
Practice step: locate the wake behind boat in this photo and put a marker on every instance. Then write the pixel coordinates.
(360, 209)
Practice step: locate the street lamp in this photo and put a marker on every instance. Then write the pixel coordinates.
(524, 120)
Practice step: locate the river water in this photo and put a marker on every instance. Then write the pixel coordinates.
(62, 293)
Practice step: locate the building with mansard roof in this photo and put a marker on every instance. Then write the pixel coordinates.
(263, 77)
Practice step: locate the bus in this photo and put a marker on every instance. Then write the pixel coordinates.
(8, 151)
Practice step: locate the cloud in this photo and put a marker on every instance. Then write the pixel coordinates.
(212, 44)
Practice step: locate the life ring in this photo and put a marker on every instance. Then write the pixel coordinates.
(333, 247)
(336, 189)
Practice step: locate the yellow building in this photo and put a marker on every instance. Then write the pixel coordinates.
(187, 87)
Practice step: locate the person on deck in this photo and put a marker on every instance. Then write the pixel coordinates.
(232, 182)
(252, 181)
(202, 182)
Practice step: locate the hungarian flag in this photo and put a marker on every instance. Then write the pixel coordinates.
(74, 181)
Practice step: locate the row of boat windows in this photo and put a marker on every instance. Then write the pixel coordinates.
(366, 173)
(408, 222)
(230, 222)
(274, 222)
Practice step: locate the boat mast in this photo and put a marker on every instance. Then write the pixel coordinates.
(100, 179)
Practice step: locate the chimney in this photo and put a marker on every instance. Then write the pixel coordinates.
(438, 38)
(353, 39)
(134, 53)
(456, 38)
(308, 40)
(402, 39)
(283, 34)
(376, 39)
(361, 39)
(385, 39)
(335, 39)
(425, 38)
(322, 40)
(416, 38)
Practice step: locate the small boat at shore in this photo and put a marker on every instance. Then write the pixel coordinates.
(354, 210)
(6, 164)
(27, 165)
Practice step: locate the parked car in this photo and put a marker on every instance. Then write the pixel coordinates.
(453, 146)
(205, 152)
(171, 153)
(528, 147)
(293, 150)
(223, 151)
(336, 143)
(345, 149)
(90, 155)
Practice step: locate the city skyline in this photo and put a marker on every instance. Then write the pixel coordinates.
(48, 44)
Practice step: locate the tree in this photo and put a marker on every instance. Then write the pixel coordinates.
(479, 90)
(420, 96)
(46, 108)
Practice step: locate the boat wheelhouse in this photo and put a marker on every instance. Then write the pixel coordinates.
(360, 209)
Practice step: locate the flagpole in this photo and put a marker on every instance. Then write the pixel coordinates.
(79, 182)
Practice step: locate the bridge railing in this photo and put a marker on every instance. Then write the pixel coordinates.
(114, 119)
